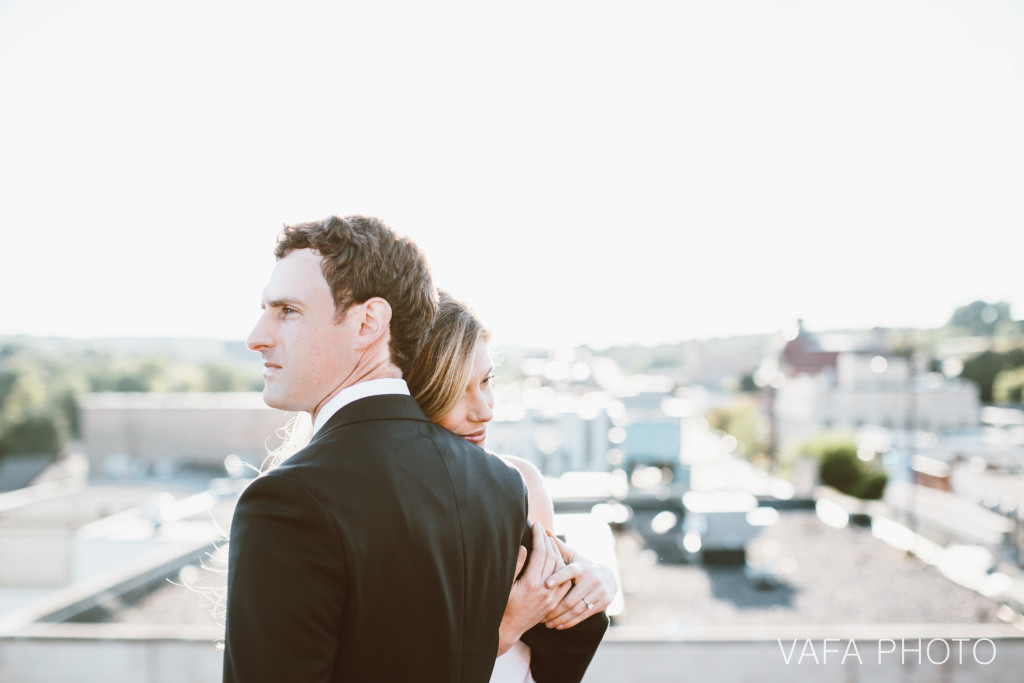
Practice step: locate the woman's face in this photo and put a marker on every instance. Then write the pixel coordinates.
(471, 414)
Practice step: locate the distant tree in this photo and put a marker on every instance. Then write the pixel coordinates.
(42, 381)
(1008, 386)
(840, 467)
(109, 376)
(154, 374)
(871, 485)
(983, 369)
(129, 383)
(743, 421)
(980, 318)
(144, 374)
(747, 384)
(36, 434)
(25, 396)
(10, 349)
(65, 391)
(221, 376)
(8, 378)
(639, 359)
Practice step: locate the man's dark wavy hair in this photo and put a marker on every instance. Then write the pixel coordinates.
(364, 258)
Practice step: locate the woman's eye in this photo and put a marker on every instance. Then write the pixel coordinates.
(487, 380)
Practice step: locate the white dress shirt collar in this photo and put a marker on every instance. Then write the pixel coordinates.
(373, 387)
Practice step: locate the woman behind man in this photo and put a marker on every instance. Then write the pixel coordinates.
(451, 380)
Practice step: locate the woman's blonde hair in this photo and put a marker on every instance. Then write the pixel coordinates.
(440, 373)
(437, 379)
(295, 436)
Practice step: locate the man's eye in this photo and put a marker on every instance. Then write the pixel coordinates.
(287, 310)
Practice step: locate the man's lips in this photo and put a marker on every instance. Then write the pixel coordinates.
(269, 369)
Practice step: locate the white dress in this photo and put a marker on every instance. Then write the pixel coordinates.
(513, 666)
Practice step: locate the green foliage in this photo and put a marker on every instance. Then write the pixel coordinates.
(639, 359)
(28, 424)
(981, 318)
(37, 434)
(1008, 386)
(222, 376)
(41, 382)
(25, 394)
(983, 369)
(841, 468)
(142, 373)
(743, 420)
(871, 486)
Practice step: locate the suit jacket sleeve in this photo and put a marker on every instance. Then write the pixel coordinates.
(286, 578)
(562, 656)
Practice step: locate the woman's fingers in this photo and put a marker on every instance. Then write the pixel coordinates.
(577, 611)
(554, 555)
(548, 557)
(570, 572)
(565, 551)
(539, 559)
(589, 596)
(572, 605)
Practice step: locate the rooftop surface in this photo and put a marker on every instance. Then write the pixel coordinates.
(826, 576)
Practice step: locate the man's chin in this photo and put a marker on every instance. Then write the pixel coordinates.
(274, 399)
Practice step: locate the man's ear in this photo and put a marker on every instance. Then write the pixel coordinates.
(375, 322)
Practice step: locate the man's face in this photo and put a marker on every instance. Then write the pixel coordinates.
(307, 356)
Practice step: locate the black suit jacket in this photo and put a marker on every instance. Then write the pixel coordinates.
(383, 551)
(562, 656)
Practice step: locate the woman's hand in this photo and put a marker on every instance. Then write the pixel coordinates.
(594, 588)
(531, 598)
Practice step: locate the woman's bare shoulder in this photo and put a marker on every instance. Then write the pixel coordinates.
(541, 508)
(529, 471)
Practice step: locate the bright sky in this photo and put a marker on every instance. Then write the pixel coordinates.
(580, 172)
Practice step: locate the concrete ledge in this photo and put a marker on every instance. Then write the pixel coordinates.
(880, 653)
(35, 659)
(200, 634)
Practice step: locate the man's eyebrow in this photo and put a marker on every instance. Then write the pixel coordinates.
(278, 303)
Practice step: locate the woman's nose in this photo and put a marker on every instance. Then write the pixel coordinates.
(482, 409)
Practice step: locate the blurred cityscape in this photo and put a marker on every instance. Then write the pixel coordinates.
(772, 504)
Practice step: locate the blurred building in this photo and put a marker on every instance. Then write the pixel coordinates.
(557, 432)
(721, 363)
(575, 412)
(812, 388)
(652, 439)
(131, 433)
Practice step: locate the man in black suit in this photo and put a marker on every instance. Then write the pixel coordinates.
(385, 549)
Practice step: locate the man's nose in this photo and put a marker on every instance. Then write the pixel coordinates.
(259, 337)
